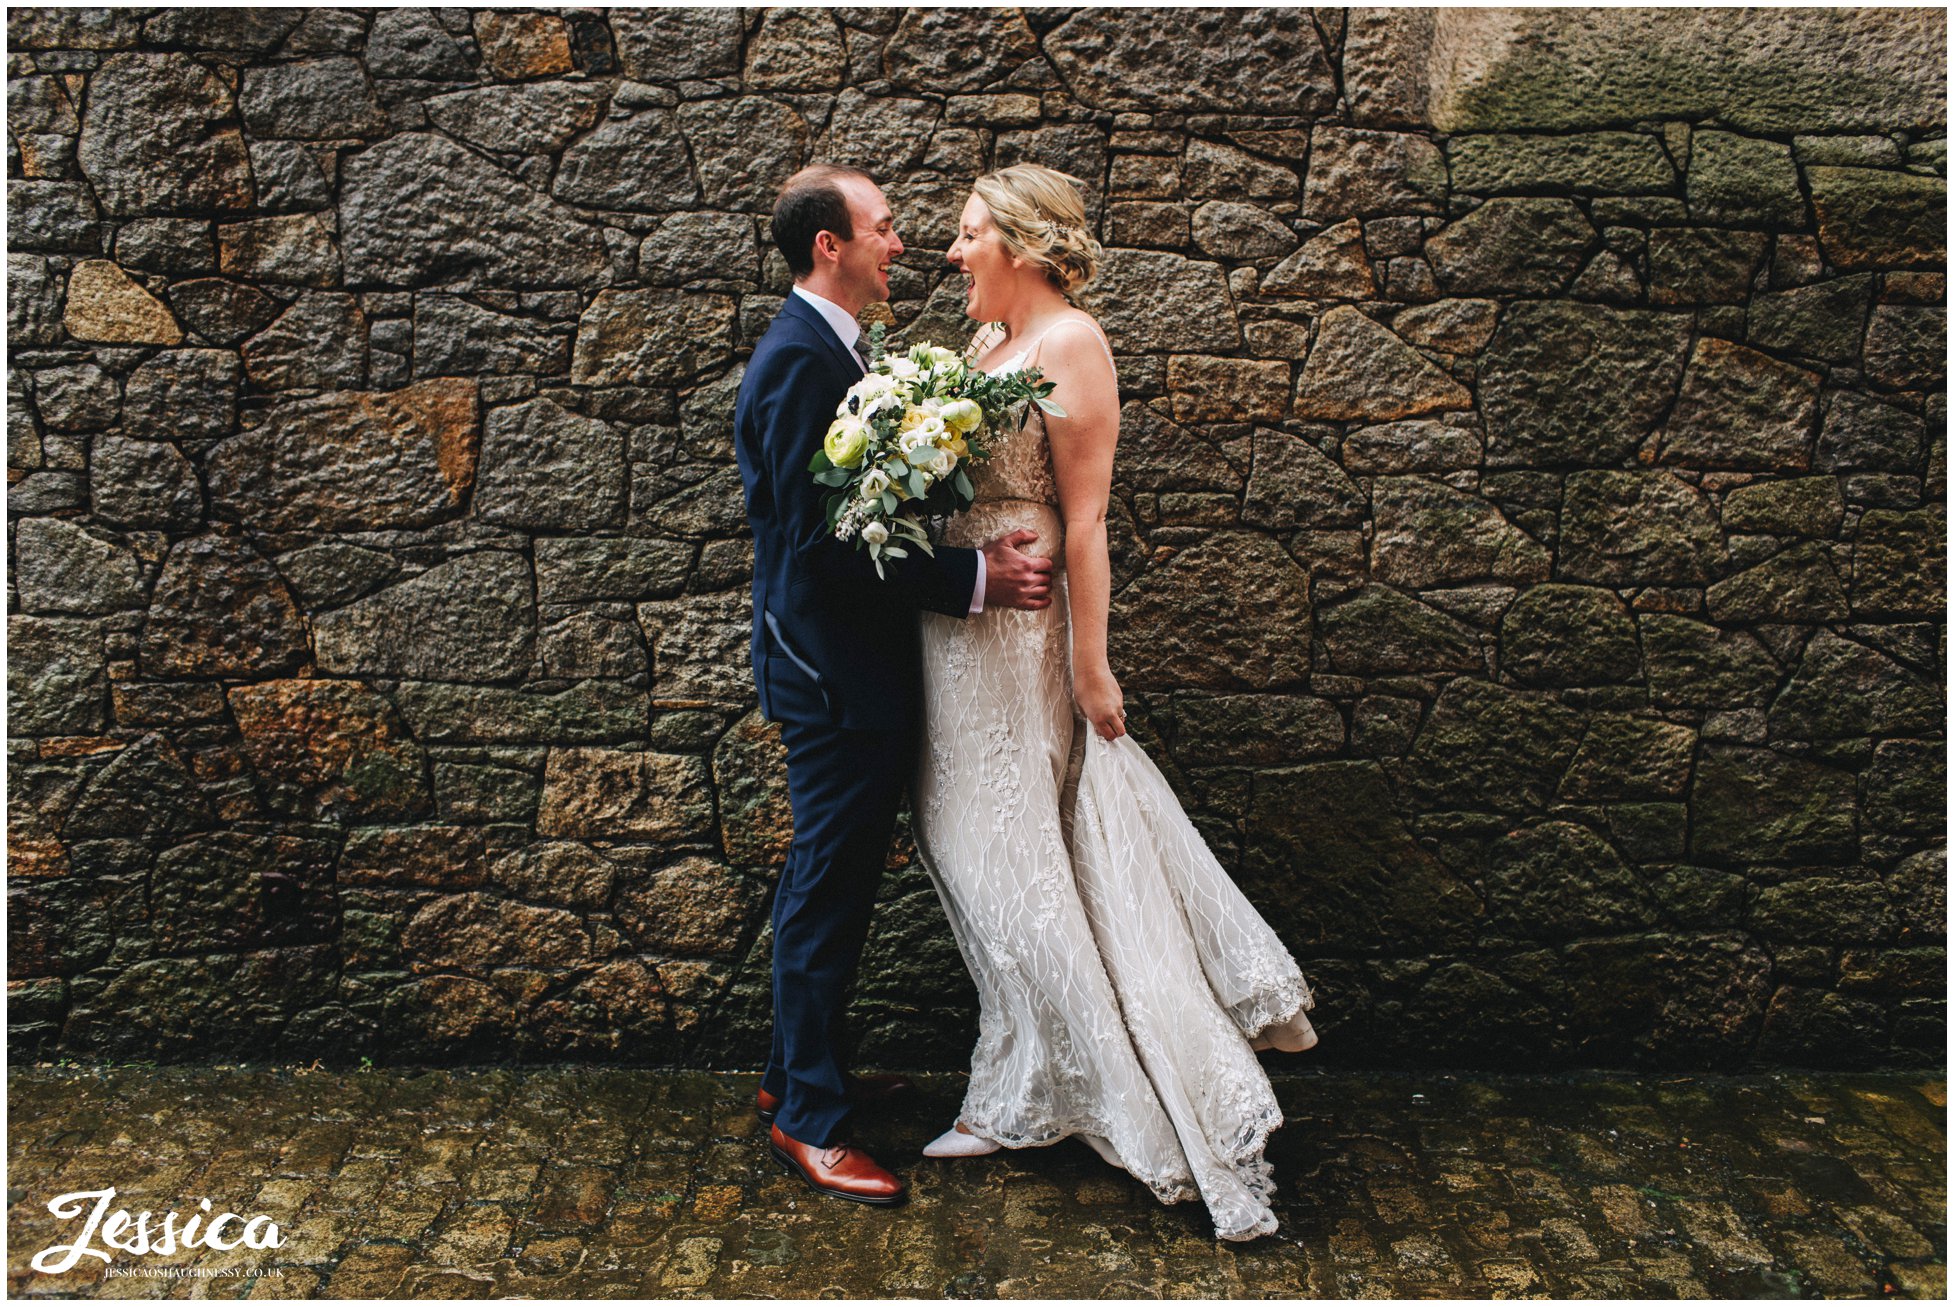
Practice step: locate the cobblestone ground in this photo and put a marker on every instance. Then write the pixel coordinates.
(560, 1182)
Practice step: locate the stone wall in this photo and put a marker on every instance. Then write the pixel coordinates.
(1528, 528)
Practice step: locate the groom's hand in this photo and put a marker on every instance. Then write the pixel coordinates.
(1015, 580)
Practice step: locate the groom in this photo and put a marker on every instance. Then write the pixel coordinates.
(837, 661)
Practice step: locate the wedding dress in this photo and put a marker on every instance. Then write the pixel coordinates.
(1124, 981)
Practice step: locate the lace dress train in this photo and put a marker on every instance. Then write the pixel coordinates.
(1124, 982)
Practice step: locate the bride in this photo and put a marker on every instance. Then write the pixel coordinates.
(1124, 982)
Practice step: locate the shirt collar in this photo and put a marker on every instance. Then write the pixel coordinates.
(845, 327)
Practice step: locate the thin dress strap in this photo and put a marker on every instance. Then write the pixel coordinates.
(1063, 322)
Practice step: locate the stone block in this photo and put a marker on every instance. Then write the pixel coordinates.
(1214, 59)
(351, 460)
(596, 793)
(546, 468)
(470, 619)
(1209, 389)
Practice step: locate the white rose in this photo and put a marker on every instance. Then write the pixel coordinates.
(875, 533)
(874, 483)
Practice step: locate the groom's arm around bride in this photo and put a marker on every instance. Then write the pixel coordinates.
(793, 397)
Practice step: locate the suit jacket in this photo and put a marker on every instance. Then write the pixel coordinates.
(833, 643)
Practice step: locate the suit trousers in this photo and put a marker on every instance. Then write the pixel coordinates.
(845, 787)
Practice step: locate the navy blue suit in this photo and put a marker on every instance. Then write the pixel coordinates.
(837, 661)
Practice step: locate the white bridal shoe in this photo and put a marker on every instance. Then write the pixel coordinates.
(955, 1143)
(1283, 1040)
(1103, 1148)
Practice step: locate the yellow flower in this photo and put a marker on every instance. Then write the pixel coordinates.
(846, 441)
(962, 415)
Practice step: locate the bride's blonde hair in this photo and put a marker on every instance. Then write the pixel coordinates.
(1041, 215)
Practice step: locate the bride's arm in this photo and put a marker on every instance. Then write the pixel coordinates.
(1082, 460)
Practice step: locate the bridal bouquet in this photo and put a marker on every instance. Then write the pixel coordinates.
(902, 436)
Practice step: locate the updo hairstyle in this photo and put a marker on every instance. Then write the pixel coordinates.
(1041, 216)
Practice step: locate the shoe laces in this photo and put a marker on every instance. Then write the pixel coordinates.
(833, 1153)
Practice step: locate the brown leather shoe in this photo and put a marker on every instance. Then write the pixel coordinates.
(841, 1171)
(863, 1091)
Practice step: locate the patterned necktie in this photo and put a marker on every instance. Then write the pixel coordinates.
(856, 350)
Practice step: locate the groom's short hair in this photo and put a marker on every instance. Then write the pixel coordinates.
(809, 204)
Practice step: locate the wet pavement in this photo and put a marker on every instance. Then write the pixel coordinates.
(585, 1183)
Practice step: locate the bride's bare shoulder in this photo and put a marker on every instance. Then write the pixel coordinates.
(1080, 315)
(1087, 343)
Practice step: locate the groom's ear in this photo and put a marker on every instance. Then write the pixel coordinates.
(827, 243)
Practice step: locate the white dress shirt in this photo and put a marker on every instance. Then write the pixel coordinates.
(844, 325)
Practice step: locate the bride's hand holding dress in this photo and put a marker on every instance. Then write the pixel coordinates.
(1100, 702)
